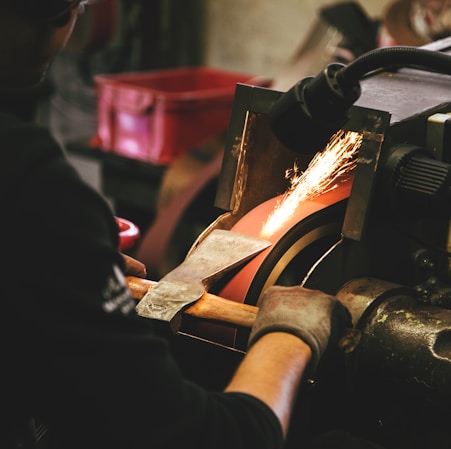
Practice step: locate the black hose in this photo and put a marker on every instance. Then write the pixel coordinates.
(313, 109)
(392, 57)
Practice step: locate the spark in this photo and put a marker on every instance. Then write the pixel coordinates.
(322, 174)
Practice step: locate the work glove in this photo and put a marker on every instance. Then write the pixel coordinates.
(315, 317)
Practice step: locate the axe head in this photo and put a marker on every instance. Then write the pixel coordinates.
(219, 252)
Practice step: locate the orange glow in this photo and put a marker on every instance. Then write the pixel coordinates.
(321, 175)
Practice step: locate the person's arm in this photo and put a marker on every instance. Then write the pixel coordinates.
(293, 328)
(272, 371)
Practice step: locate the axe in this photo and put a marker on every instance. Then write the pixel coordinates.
(184, 289)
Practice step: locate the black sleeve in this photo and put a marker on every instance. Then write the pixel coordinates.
(340, 439)
(88, 366)
(136, 398)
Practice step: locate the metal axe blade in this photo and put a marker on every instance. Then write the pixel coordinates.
(219, 252)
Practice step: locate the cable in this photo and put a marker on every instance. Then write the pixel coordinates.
(393, 57)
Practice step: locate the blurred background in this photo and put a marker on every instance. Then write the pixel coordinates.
(260, 36)
(106, 129)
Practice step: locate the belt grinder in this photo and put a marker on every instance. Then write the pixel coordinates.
(380, 242)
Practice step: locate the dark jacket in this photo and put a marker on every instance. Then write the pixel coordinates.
(75, 355)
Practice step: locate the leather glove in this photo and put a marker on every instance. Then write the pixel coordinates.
(314, 316)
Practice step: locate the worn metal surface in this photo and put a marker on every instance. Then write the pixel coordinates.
(221, 251)
(402, 340)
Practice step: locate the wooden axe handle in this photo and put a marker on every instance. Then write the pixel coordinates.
(208, 307)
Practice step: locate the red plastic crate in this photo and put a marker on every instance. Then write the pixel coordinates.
(158, 116)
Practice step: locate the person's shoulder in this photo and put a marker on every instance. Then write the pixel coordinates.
(15, 129)
(24, 147)
(25, 140)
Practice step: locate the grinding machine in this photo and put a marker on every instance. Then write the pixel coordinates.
(379, 239)
(370, 227)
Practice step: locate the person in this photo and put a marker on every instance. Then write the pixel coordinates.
(75, 355)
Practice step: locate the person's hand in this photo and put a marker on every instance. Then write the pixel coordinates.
(133, 267)
(314, 316)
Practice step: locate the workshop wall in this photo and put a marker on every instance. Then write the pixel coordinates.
(260, 36)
